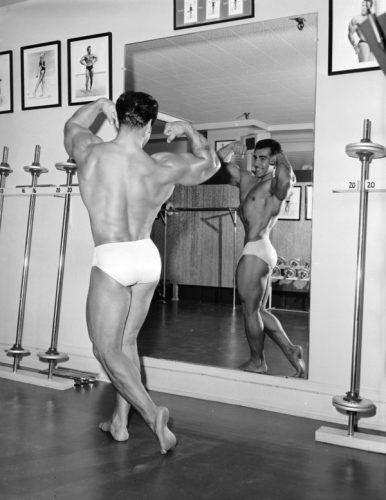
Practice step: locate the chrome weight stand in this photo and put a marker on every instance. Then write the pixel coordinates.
(352, 403)
(17, 351)
(5, 170)
(52, 356)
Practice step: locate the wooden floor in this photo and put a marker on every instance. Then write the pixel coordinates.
(51, 448)
(213, 334)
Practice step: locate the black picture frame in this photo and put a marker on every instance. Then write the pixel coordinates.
(6, 81)
(41, 75)
(290, 209)
(85, 85)
(221, 143)
(308, 215)
(192, 13)
(342, 56)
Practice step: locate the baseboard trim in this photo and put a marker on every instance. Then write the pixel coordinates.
(298, 397)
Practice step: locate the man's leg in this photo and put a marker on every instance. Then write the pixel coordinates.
(140, 302)
(87, 79)
(275, 331)
(91, 79)
(252, 275)
(109, 312)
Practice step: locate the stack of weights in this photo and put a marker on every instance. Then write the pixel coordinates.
(294, 269)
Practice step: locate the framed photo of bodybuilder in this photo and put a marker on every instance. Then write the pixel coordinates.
(348, 51)
(290, 210)
(189, 13)
(6, 82)
(89, 68)
(41, 76)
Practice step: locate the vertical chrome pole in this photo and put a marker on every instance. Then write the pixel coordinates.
(365, 158)
(352, 403)
(233, 214)
(165, 256)
(17, 350)
(52, 356)
(5, 170)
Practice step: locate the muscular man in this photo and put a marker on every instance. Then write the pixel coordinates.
(360, 46)
(123, 189)
(88, 60)
(261, 196)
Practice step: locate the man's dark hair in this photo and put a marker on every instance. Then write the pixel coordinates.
(135, 109)
(273, 145)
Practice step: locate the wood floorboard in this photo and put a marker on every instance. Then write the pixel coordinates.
(213, 334)
(51, 448)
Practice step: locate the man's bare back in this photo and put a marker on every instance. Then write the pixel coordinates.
(122, 192)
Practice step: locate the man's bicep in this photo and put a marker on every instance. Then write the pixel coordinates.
(234, 172)
(185, 169)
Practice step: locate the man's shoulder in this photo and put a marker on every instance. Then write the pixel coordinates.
(355, 20)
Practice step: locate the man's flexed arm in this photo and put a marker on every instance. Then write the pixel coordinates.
(230, 156)
(189, 168)
(77, 133)
(284, 177)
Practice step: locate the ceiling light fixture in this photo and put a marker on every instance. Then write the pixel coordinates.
(300, 22)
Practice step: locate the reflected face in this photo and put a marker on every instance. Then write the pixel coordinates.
(366, 7)
(261, 161)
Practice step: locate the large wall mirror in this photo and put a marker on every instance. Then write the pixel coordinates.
(244, 82)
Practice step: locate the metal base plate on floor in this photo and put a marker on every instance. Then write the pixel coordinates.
(78, 377)
(30, 377)
(360, 440)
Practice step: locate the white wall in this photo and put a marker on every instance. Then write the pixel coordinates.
(342, 102)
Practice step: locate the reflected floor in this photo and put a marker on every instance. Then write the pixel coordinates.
(213, 334)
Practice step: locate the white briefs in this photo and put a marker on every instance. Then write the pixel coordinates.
(263, 249)
(129, 262)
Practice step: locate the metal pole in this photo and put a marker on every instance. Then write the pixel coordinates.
(164, 259)
(352, 403)
(353, 394)
(233, 214)
(17, 350)
(52, 356)
(4, 172)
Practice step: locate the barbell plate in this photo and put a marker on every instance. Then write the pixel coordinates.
(53, 356)
(17, 351)
(65, 165)
(357, 148)
(364, 405)
(35, 169)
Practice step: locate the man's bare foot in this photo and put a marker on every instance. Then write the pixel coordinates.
(254, 366)
(167, 439)
(116, 429)
(295, 357)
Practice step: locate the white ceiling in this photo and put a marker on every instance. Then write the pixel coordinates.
(266, 69)
(3, 3)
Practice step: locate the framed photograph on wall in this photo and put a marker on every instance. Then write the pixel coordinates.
(6, 82)
(290, 210)
(89, 68)
(220, 144)
(348, 51)
(41, 76)
(308, 201)
(188, 13)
